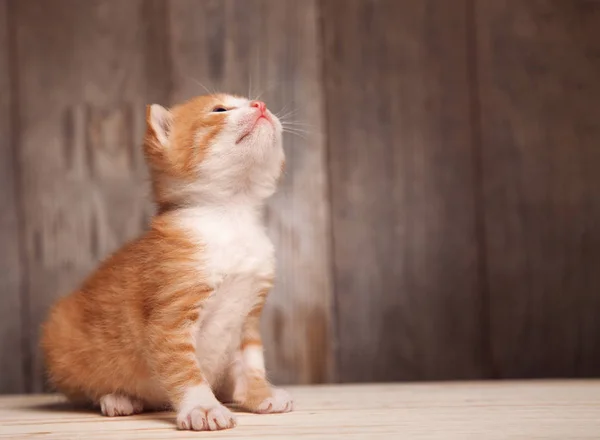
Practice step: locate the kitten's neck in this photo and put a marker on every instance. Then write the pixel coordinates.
(222, 217)
(213, 207)
(171, 196)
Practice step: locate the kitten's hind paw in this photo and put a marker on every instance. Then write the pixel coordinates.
(113, 405)
(279, 402)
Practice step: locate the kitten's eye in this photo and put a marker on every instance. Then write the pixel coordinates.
(219, 109)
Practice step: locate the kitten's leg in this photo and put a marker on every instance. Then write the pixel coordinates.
(113, 405)
(252, 389)
(176, 366)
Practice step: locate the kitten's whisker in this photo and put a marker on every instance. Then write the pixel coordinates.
(259, 94)
(297, 130)
(306, 133)
(268, 89)
(296, 124)
(257, 68)
(210, 92)
(297, 134)
(291, 103)
(249, 84)
(297, 127)
(283, 109)
(288, 114)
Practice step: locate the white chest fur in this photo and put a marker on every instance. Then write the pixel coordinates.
(237, 259)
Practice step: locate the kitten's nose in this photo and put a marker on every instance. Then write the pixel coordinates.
(259, 105)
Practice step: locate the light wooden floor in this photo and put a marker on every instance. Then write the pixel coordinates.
(509, 410)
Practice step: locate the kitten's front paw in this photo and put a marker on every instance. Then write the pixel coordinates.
(206, 419)
(279, 402)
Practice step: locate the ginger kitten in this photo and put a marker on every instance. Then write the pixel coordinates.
(172, 318)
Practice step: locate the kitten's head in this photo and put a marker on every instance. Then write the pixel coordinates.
(213, 148)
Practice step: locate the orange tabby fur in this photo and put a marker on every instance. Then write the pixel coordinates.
(128, 338)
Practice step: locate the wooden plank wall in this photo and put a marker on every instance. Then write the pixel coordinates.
(12, 356)
(539, 64)
(439, 218)
(400, 161)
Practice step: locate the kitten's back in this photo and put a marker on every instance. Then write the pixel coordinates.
(91, 338)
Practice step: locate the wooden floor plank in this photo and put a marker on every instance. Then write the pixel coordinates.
(270, 48)
(401, 160)
(450, 411)
(539, 64)
(12, 376)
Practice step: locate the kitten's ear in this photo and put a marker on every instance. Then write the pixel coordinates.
(159, 121)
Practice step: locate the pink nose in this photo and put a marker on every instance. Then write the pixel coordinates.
(259, 105)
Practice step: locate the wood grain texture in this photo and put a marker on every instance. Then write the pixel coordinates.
(539, 64)
(12, 379)
(400, 152)
(271, 46)
(454, 411)
(82, 92)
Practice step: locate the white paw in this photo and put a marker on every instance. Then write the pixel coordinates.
(206, 419)
(113, 405)
(279, 402)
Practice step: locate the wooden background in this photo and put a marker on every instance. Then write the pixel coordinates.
(439, 220)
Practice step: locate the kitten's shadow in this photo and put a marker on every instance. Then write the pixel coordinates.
(63, 406)
(82, 408)
(237, 408)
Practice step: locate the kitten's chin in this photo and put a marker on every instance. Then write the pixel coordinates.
(262, 128)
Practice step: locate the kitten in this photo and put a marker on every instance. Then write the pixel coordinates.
(172, 318)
